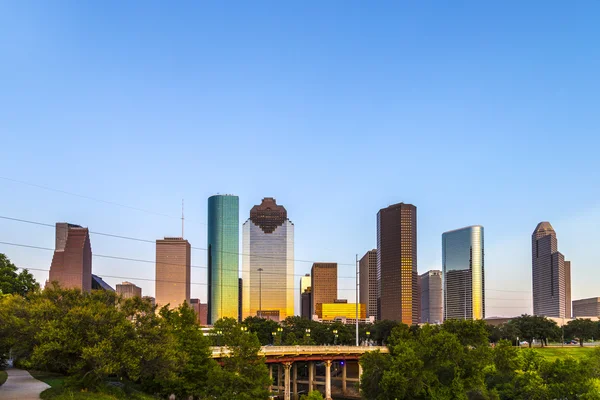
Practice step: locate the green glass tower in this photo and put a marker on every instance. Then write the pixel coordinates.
(223, 257)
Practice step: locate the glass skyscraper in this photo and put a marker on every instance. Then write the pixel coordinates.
(463, 273)
(223, 257)
(268, 262)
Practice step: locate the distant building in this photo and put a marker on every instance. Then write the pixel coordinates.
(323, 285)
(333, 311)
(586, 307)
(201, 311)
(368, 282)
(463, 273)
(223, 256)
(71, 264)
(99, 284)
(240, 298)
(151, 299)
(430, 284)
(128, 290)
(397, 275)
(305, 297)
(268, 262)
(173, 270)
(551, 296)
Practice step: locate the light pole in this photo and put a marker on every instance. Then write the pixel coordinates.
(219, 333)
(307, 335)
(335, 337)
(368, 335)
(280, 331)
(260, 270)
(244, 328)
(357, 299)
(273, 334)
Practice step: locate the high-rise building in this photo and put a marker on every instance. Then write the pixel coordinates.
(568, 302)
(463, 273)
(430, 284)
(223, 256)
(306, 304)
(305, 296)
(586, 307)
(173, 269)
(268, 262)
(338, 310)
(71, 264)
(240, 298)
(323, 285)
(550, 280)
(397, 275)
(368, 282)
(127, 290)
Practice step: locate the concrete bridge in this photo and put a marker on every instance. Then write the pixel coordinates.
(312, 368)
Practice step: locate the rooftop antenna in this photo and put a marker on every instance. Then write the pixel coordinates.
(182, 218)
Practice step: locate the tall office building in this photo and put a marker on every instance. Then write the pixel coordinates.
(173, 269)
(463, 273)
(323, 286)
(268, 262)
(223, 257)
(71, 264)
(397, 275)
(430, 284)
(305, 296)
(368, 282)
(240, 298)
(550, 274)
(128, 290)
(586, 307)
(201, 310)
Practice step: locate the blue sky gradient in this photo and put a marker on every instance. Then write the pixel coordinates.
(477, 113)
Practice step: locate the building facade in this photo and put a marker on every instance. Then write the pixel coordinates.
(223, 257)
(368, 282)
(128, 290)
(71, 264)
(305, 296)
(397, 275)
(430, 287)
(323, 285)
(549, 274)
(463, 273)
(173, 271)
(333, 311)
(201, 310)
(586, 307)
(268, 262)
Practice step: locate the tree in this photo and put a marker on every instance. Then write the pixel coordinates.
(582, 329)
(313, 395)
(263, 328)
(12, 282)
(530, 327)
(382, 330)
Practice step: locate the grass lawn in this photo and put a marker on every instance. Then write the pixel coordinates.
(3, 377)
(57, 390)
(553, 353)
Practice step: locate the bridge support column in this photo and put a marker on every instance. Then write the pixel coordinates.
(328, 380)
(279, 378)
(287, 366)
(344, 378)
(271, 377)
(295, 381)
(311, 375)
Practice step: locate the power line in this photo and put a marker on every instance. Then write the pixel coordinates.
(153, 242)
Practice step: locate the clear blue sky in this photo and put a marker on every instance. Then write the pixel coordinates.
(476, 112)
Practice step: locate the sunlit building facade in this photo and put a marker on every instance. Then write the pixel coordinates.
(268, 262)
(463, 273)
(368, 282)
(430, 287)
(223, 257)
(551, 274)
(173, 272)
(332, 311)
(397, 276)
(71, 264)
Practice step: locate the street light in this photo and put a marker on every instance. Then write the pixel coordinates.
(307, 335)
(219, 333)
(335, 336)
(368, 336)
(244, 328)
(273, 334)
(260, 270)
(280, 330)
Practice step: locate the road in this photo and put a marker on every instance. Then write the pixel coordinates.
(20, 385)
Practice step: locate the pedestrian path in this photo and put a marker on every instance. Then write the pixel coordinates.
(20, 385)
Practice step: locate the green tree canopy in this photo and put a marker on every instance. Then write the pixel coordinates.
(581, 329)
(13, 282)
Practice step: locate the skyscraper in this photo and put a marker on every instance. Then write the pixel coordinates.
(223, 257)
(397, 275)
(430, 284)
(323, 286)
(368, 282)
(128, 290)
(305, 297)
(71, 264)
(550, 274)
(463, 273)
(268, 262)
(173, 269)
